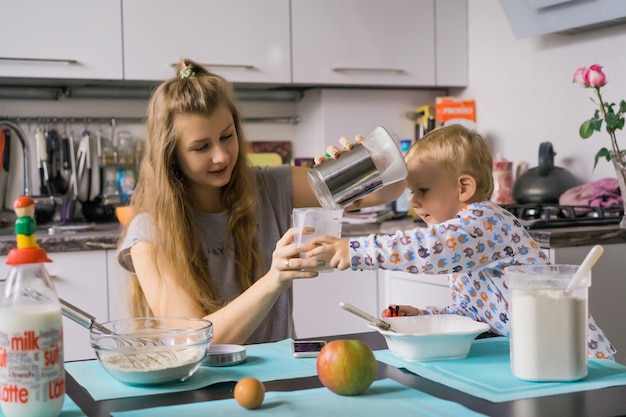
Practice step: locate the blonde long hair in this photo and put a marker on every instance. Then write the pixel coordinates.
(162, 190)
(459, 151)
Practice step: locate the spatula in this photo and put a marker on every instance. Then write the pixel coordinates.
(381, 324)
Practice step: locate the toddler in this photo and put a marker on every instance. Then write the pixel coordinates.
(467, 237)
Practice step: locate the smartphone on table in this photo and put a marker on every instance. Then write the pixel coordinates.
(307, 348)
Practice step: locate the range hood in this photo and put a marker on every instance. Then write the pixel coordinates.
(541, 17)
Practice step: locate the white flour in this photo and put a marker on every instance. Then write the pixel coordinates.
(548, 335)
(138, 367)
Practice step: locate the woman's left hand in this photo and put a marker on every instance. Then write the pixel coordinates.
(332, 152)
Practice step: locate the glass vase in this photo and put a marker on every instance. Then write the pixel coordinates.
(619, 162)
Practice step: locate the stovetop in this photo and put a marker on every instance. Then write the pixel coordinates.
(547, 215)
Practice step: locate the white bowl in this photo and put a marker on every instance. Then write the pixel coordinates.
(431, 337)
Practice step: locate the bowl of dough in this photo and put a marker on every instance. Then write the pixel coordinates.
(152, 350)
(431, 337)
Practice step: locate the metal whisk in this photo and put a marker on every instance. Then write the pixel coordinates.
(134, 354)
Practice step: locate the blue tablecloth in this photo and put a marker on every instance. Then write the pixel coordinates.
(266, 362)
(486, 373)
(384, 398)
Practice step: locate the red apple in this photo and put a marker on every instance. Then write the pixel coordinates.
(346, 367)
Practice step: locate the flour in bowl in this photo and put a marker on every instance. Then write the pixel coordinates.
(147, 367)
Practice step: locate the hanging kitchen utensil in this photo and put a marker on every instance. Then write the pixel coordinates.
(545, 183)
(83, 156)
(71, 198)
(99, 210)
(59, 183)
(45, 187)
(3, 171)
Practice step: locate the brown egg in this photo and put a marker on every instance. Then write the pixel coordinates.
(249, 392)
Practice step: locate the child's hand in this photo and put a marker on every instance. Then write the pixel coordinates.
(335, 250)
(395, 310)
(333, 152)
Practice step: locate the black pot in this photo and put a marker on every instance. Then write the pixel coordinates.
(45, 208)
(545, 183)
(97, 211)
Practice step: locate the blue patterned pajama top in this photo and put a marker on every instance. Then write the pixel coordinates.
(472, 249)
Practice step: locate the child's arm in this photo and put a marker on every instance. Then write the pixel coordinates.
(334, 250)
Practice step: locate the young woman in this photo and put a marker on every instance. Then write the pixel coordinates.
(203, 242)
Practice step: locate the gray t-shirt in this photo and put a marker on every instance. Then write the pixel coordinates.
(273, 211)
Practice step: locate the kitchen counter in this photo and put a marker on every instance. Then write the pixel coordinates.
(562, 237)
(106, 236)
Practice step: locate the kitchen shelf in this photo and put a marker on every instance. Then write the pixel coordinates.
(87, 120)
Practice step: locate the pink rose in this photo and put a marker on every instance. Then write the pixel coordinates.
(594, 77)
(579, 77)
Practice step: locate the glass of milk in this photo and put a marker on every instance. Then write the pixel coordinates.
(548, 325)
(323, 221)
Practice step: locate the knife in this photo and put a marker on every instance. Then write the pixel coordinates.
(381, 324)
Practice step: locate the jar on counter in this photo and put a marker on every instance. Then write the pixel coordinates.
(502, 181)
(125, 148)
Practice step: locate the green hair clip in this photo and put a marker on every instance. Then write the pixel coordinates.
(185, 72)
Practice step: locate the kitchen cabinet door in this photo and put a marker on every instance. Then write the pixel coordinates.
(364, 42)
(451, 43)
(316, 302)
(418, 290)
(70, 39)
(81, 279)
(245, 41)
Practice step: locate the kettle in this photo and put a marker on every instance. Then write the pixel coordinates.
(545, 183)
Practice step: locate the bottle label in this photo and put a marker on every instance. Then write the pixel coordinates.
(32, 376)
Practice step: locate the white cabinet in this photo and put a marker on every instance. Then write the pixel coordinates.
(243, 40)
(372, 42)
(316, 302)
(71, 39)
(81, 279)
(418, 290)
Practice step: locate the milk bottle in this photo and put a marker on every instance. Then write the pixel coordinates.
(32, 376)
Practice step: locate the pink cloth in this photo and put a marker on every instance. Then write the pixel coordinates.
(602, 193)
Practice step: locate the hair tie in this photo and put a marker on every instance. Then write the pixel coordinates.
(186, 72)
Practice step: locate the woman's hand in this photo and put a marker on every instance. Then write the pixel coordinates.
(334, 249)
(332, 152)
(287, 264)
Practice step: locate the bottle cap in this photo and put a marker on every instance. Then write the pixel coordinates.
(21, 256)
(27, 251)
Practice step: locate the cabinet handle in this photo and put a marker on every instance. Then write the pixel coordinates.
(348, 69)
(242, 66)
(66, 61)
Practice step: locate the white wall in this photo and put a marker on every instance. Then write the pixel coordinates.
(524, 92)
